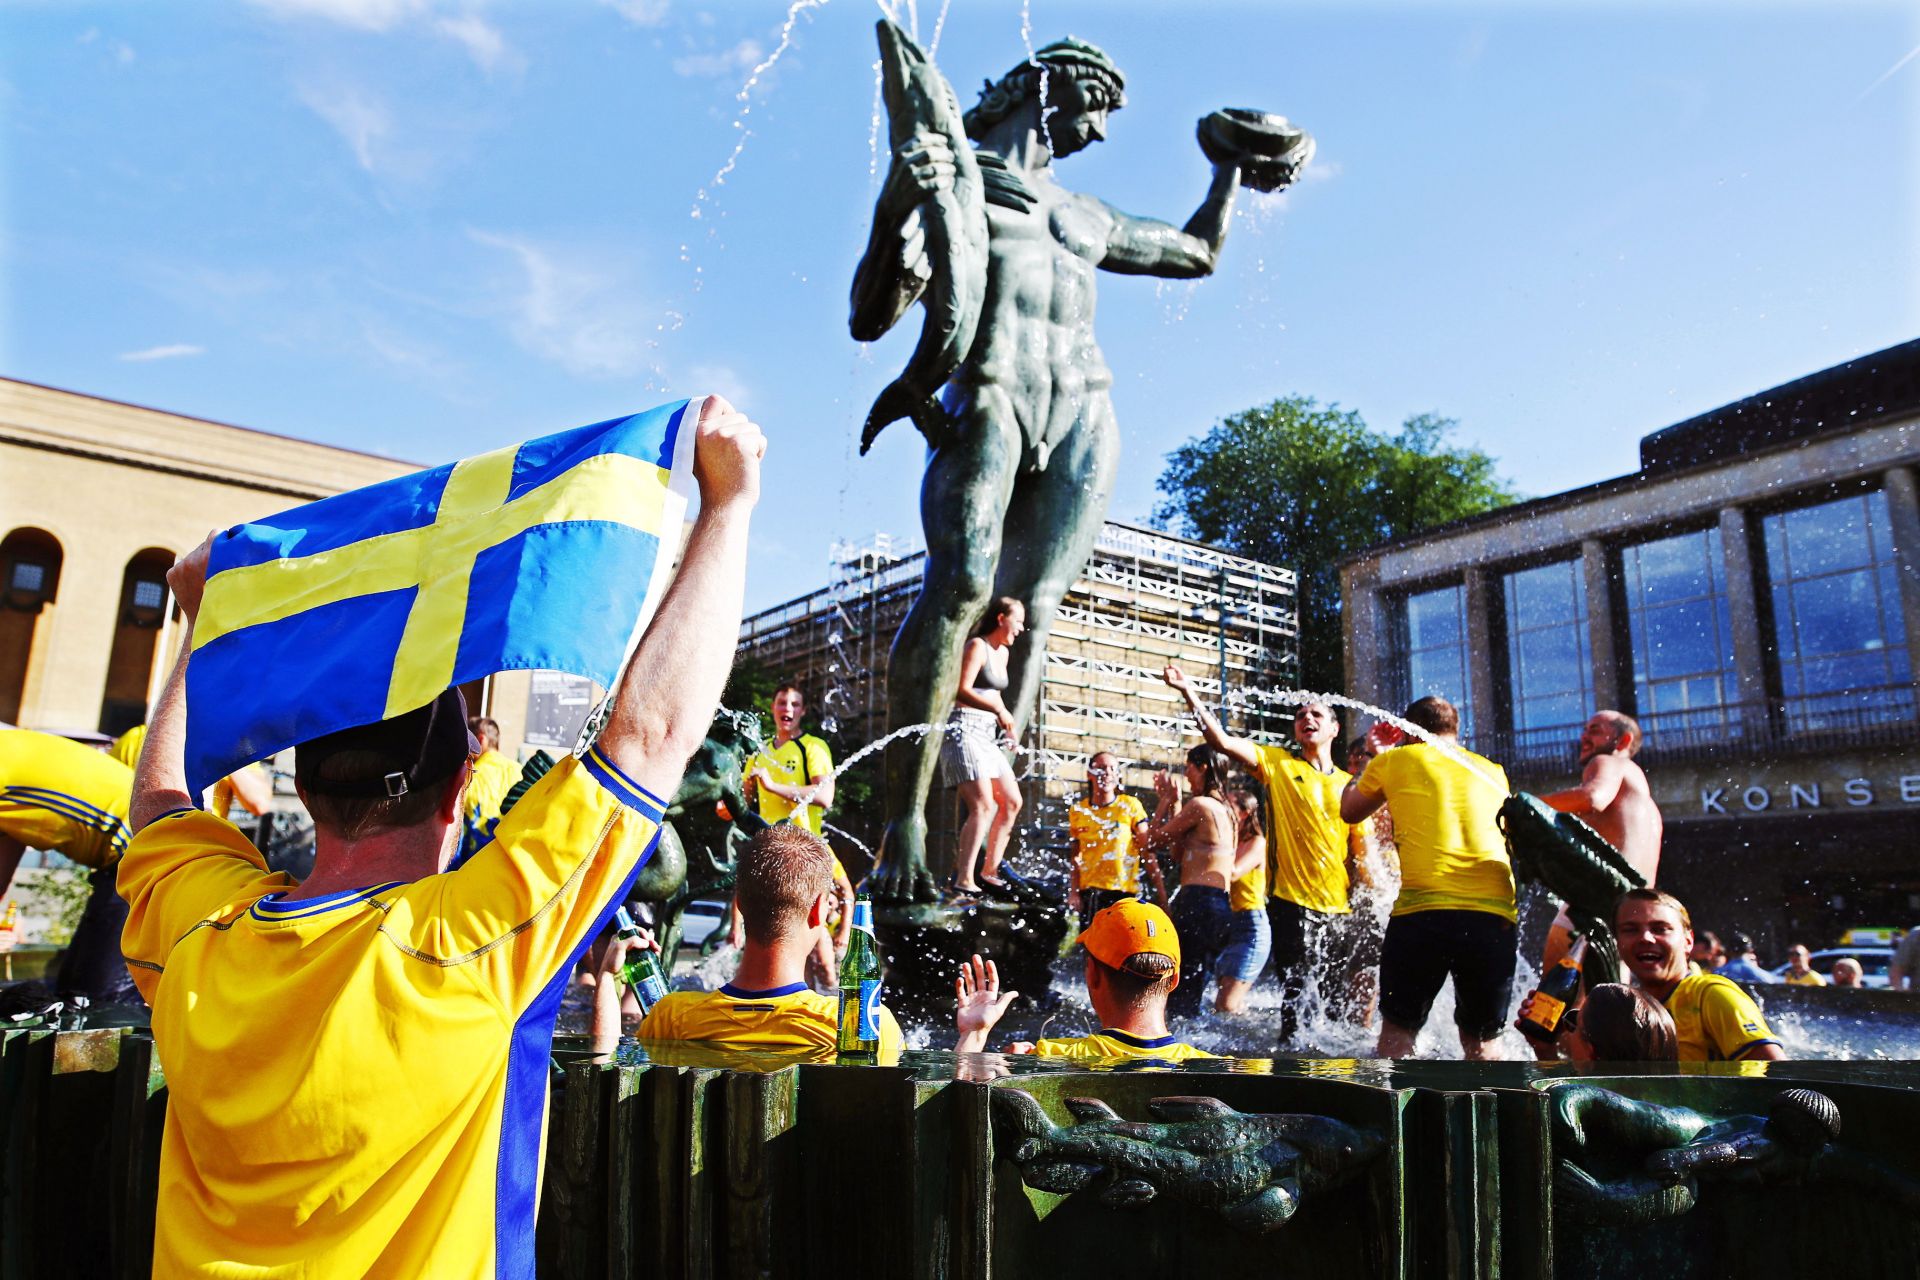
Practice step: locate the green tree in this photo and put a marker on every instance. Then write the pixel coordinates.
(1299, 484)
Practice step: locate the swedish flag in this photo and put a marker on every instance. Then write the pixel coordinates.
(548, 555)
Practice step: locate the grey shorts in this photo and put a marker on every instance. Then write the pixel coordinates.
(969, 751)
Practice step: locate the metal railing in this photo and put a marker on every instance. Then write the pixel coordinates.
(1881, 716)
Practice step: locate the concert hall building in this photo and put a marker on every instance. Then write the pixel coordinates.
(1752, 595)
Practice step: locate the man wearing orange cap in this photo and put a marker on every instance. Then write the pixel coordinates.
(1133, 964)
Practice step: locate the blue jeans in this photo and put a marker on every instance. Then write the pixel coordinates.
(1249, 940)
(1203, 919)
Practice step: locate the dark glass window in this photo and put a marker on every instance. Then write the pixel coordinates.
(1431, 651)
(1838, 636)
(1549, 664)
(1680, 630)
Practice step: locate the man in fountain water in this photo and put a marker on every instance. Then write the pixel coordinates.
(1309, 847)
(1455, 913)
(357, 1065)
(1614, 799)
(1715, 1019)
(799, 767)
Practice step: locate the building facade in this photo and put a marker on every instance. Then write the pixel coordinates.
(1144, 600)
(97, 500)
(1752, 595)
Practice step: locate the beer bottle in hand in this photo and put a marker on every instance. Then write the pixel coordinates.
(642, 969)
(1556, 991)
(860, 989)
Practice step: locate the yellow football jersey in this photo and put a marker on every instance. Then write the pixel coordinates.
(358, 1081)
(57, 794)
(795, 764)
(1306, 839)
(493, 776)
(1118, 1044)
(1103, 841)
(1716, 1021)
(1452, 855)
(790, 1017)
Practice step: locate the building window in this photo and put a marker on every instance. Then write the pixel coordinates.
(1430, 639)
(1549, 663)
(1680, 631)
(1838, 634)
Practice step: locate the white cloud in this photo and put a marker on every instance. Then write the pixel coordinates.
(171, 351)
(579, 310)
(366, 15)
(641, 13)
(742, 57)
(356, 115)
(482, 41)
(122, 52)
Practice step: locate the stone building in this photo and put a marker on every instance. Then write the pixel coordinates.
(97, 498)
(1751, 594)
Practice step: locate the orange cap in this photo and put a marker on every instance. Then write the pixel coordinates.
(1127, 928)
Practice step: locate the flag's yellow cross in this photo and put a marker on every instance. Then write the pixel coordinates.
(473, 516)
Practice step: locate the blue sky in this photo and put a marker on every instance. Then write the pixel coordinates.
(428, 229)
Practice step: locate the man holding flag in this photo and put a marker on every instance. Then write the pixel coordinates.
(357, 1064)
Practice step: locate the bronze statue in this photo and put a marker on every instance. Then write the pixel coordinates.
(1007, 383)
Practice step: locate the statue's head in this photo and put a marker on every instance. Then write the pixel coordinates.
(1083, 86)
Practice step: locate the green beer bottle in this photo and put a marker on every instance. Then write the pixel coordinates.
(860, 989)
(642, 969)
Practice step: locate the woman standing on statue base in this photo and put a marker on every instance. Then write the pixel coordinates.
(972, 757)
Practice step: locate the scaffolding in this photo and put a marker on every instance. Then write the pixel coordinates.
(1145, 599)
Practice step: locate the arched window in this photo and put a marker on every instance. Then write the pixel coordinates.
(136, 633)
(29, 580)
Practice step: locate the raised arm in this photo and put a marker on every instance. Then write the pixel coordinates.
(1242, 751)
(1148, 247)
(1357, 805)
(1599, 785)
(160, 777)
(666, 699)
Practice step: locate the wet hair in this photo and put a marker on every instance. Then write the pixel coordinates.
(785, 685)
(1145, 975)
(487, 729)
(1627, 726)
(1000, 608)
(1665, 900)
(1434, 714)
(1625, 1024)
(1076, 58)
(1247, 806)
(1213, 771)
(783, 870)
(357, 817)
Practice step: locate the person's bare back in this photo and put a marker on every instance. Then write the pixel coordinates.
(1632, 823)
(1207, 843)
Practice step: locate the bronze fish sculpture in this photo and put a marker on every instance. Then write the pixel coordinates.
(947, 272)
(1252, 1169)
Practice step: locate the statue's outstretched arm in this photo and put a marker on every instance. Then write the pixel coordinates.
(1148, 247)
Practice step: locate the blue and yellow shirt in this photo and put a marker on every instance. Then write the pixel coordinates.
(493, 776)
(790, 1017)
(358, 1081)
(57, 794)
(1715, 1020)
(794, 763)
(1108, 1043)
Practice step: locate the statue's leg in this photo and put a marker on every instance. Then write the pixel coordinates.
(1051, 526)
(963, 500)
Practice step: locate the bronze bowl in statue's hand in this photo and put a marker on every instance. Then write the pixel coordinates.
(1270, 152)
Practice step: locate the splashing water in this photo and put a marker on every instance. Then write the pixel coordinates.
(746, 723)
(848, 836)
(1302, 697)
(744, 97)
(910, 731)
(1033, 60)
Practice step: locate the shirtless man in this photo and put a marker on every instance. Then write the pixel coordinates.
(1613, 799)
(1206, 832)
(1023, 447)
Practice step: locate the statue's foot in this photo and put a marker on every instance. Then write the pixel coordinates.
(901, 873)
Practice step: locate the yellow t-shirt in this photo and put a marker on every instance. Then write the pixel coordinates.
(1452, 855)
(1807, 979)
(57, 794)
(126, 747)
(1249, 892)
(784, 1018)
(1103, 842)
(493, 776)
(358, 1082)
(1118, 1044)
(1306, 839)
(796, 764)
(1716, 1021)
